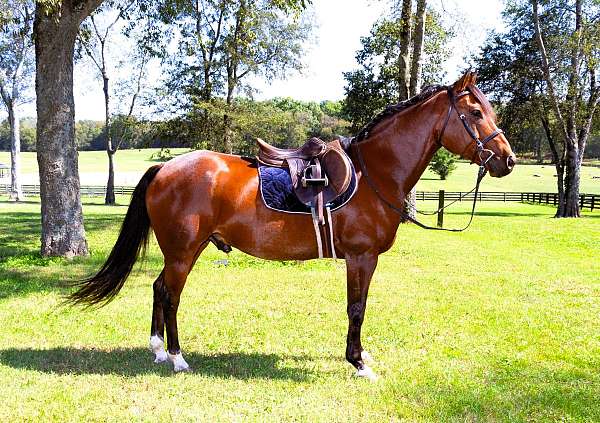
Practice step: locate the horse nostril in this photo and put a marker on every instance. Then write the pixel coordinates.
(510, 162)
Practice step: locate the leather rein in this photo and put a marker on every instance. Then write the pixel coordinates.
(479, 150)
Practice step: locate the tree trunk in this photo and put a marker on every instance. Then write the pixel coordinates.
(16, 193)
(558, 164)
(572, 176)
(418, 37)
(110, 185)
(538, 151)
(63, 233)
(109, 200)
(227, 138)
(570, 161)
(404, 56)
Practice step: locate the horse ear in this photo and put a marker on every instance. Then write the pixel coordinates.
(467, 79)
(473, 78)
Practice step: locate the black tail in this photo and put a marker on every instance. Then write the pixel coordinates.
(133, 239)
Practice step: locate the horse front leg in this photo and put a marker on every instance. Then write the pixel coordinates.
(359, 270)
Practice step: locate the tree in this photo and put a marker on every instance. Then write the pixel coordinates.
(392, 65)
(504, 70)
(376, 83)
(575, 104)
(16, 72)
(221, 43)
(95, 40)
(55, 29)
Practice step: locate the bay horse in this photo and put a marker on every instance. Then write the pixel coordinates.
(205, 196)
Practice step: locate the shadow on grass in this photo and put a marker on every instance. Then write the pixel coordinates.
(22, 268)
(138, 361)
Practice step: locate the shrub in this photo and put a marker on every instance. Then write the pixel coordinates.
(443, 163)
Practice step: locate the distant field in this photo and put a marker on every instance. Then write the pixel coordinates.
(524, 178)
(96, 161)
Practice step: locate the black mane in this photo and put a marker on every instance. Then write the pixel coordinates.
(391, 110)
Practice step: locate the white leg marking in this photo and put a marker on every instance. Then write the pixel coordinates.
(368, 373)
(365, 356)
(157, 346)
(179, 364)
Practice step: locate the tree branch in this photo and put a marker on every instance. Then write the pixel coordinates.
(546, 70)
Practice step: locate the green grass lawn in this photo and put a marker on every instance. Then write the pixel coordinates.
(97, 161)
(499, 323)
(530, 178)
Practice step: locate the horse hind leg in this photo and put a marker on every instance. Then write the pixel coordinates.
(157, 329)
(175, 275)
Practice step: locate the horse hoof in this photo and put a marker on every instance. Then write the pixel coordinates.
(366, 372)
(187, 369)
(179, 364)
(160, 357)
(365, 356)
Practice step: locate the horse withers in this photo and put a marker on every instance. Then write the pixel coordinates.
(204, 196)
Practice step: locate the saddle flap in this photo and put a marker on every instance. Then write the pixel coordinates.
(335, 167)
(338, 169)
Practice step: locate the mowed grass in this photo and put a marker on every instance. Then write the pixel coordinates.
(529, 178)
(499, 323)
(97, 161)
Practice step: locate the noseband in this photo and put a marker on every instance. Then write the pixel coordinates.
(479, 144)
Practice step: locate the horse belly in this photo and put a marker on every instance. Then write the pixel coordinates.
(272, 235)
(248, 225)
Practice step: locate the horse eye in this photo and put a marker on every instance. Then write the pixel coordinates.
(477, 113)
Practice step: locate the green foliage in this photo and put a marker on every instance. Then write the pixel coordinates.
(223, 43)
(28, 135)
(509, 70)
(375, 84)
(282, 121)
(89, 135)
(443, 163)
(162, 155)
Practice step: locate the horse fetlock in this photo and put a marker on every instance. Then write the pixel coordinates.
(365, 356)
(367, 373)
(157, 346)
(179, 364)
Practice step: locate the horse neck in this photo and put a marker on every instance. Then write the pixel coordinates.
(399, 149)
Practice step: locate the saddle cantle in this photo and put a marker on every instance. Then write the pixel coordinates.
(320, 173)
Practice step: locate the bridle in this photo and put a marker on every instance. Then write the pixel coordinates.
(479, 150)
(479, 144)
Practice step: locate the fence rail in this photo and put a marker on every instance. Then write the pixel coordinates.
(588, 201)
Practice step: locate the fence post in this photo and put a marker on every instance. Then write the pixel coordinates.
(581, 200)
(593, 201)
(440, 219)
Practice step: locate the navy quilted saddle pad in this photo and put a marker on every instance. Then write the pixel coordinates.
(277, 192)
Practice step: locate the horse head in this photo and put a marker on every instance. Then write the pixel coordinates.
(470, 130)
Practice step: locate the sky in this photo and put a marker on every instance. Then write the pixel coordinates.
(339, 24)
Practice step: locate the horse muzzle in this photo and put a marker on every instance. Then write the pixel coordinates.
(501, 166)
